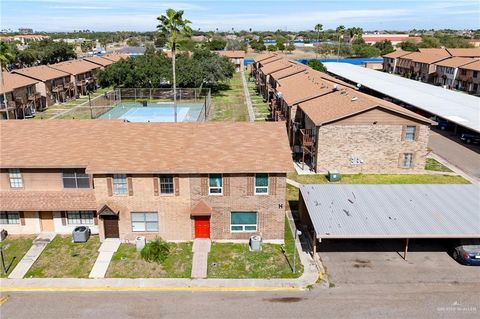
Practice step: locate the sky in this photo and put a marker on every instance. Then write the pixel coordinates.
(140, 15)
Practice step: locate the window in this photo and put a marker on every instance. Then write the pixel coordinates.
(215, 184)
(75, 178)
(145, 222)
(410, 133)
(29, 89)
(407, 160)
(261, 184)
(243, 222)
(80, 218)
(9, 218)
(15, 176)
(120, 186)
(475, 74)
(166, 184)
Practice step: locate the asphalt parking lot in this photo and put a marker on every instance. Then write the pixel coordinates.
(381, 262)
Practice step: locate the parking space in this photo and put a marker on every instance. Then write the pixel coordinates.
(381, 262)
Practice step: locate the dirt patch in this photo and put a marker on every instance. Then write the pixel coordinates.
(362, 263)
(286, 299)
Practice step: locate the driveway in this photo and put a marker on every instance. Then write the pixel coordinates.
(381, 262)
(451, 148)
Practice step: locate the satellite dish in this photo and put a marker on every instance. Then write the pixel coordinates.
(359, 85)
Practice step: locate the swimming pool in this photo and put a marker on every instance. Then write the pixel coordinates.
(163, 112)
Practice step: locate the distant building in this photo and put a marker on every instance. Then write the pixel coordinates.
(394, 38)
(25, 30)
(236, 57)
(24, 38)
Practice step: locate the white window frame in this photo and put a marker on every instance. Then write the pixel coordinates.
(15, 177)
(243, 225)
(120, 184)
(77, 220)
(412, 134)
(210, 188)
(262, 187)
(404, 158)
(145, 222)
(9, 218)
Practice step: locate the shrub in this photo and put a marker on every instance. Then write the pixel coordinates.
(156, 250)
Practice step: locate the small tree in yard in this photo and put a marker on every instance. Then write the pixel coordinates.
(317, 65)
(155, 251)
(172, 25)
(290, 47)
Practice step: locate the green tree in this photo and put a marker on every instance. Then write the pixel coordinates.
(318, 28)
(6, 57)
(408, 46)
(272, 48)
(216, 44)
(385, 47)
(280, 46)
(133, 42)
(340, 31)
(258, 46)
(317, 65)
(233, 44)
(87, 46)
(365, 50)
(290, 47)
(172, 25)
(429, 42)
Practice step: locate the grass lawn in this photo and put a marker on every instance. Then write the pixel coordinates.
(14, 248)
(260, 108)
(382, 179)
(64, 259)
(433, 165)
(229, 104)
(56, 109)
(127, 263)
(227, 260)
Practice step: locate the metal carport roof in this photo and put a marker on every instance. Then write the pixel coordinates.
(457, 107)
(393, 211)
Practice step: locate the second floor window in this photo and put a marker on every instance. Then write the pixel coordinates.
(410, 132)
(120, 186)
(15, 177)
(215, 184)
(475, 74)
(261, 184)
(166, 184)
(29, 89)
(75, 178)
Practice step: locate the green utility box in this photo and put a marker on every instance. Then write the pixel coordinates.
(333, 176)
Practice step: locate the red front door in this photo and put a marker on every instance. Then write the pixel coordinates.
(202, 227)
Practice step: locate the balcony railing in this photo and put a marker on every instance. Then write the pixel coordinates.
(306, 136)
(58, 88)
(34, 96)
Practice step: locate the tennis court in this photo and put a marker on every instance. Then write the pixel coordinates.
(163, 112)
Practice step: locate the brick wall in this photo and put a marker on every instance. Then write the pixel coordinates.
(175, 222)
(379, 146)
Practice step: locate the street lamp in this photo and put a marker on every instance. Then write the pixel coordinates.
(297, 233)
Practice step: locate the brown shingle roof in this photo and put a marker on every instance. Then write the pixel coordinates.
(14, 81)
(75, 66)
(276, 66)
(232, 54)
(396, 54)
(455, 62)
(109, 146)
(346, 102)
(465, 52)
(99, 60)
(263, 56)
(475, 66)
(295, 68)
(427, 56)
(115, 57)
(41, 73)
(47, 200)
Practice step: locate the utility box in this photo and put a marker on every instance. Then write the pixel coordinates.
(333, 176)
(140, 242)
(3, 234)
(256, 243)
(81, 234)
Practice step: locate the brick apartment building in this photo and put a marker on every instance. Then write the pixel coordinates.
(236, 57)
(177, 181)
(333, 126)
(82, 74)
(22, 98)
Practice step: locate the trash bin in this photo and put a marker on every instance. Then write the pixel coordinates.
(255, 243)
(81, 234)
(140, 242)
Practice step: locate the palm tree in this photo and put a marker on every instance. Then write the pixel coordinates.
(318, 28)
(340, 30)
(6, 56)
(171, 25)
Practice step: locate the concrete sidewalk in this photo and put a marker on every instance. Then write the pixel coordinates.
(106, 251)
(201, 248)
(38, 245)
(248, 100)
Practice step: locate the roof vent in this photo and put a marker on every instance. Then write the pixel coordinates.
(354, 99)
(335, 87)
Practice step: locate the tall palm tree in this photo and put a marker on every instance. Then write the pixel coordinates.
(6, 56)
(340, 31)
(172, 25)
(318, 28)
